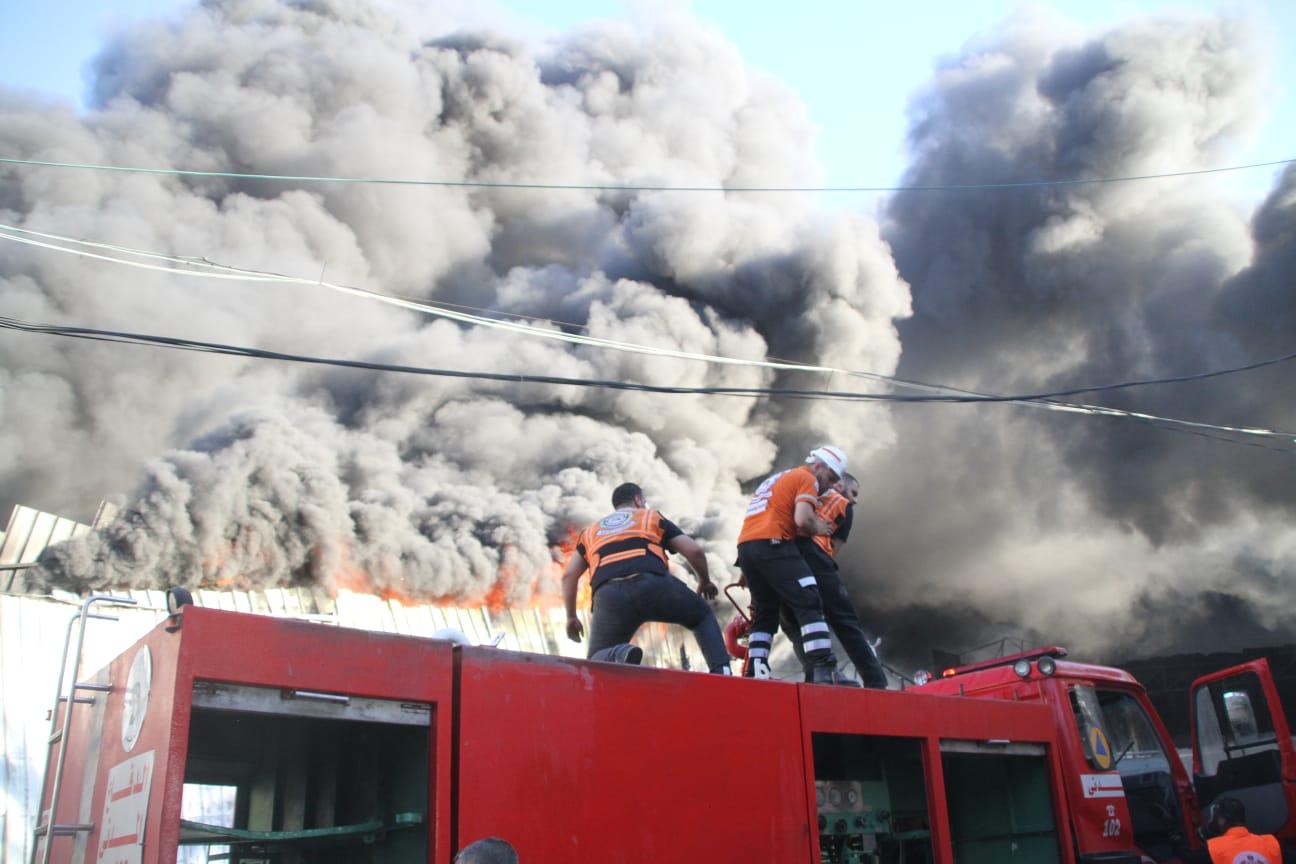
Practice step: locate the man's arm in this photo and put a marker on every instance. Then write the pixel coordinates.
(570, 579)
(807, 521)
(696, 557)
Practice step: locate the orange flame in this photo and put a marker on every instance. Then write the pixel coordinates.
(544, 590)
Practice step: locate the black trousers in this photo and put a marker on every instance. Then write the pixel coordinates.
(621, 606)
(840, 614)
(777, 577)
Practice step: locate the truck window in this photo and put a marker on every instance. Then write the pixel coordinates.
(1210, 733)
(1233, 720)
(1089, 723)
(211, 805)
(1133, 739)
(871, 794)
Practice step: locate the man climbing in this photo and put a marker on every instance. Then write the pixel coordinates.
(625, 553)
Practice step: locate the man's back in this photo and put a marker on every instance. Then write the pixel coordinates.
(1237, 845)
(770, 513)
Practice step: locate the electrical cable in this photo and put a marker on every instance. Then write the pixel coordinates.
(237, 272)
(1046, 400)
(178, 343)
(632, 187)
(228, 272)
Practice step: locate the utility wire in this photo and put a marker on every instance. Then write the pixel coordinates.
(178, 343)
(1045, 400)
(209, 269)
(633, 187)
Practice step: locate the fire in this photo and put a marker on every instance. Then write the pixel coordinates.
(544, 589)
(335, 568)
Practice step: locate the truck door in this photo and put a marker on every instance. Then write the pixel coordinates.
(1242, 746)
(1148, 770)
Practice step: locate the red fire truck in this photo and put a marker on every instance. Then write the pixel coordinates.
(338, 745)
(1126, 786)
(334, 745)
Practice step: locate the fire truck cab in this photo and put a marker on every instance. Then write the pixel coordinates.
(1129, 794)
(248, 739)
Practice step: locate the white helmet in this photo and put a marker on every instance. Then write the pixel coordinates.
(831, 456)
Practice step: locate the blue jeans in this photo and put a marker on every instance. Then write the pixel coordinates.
(621, 606)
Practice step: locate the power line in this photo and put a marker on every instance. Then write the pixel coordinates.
(1047, 400)
(634, 187)
(178, 343)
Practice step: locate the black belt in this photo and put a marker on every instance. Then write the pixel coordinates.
(625, 578)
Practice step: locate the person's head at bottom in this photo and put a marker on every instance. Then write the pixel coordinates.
(491, 850)
(1227, 813)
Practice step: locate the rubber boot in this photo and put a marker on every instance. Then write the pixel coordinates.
(759, 668)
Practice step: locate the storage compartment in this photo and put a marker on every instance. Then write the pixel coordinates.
(313, 777)
(1000, 805)
(871, 797)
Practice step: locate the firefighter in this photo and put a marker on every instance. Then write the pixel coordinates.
(773, 570)
(1235, 844)
(837, 508)
(625, 553)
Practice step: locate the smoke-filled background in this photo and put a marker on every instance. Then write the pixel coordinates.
(976, 521)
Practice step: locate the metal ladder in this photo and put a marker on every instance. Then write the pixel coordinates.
(60, 733)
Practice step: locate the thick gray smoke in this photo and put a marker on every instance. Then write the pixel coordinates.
(258, 474)
(1116, 537)
(976, 522)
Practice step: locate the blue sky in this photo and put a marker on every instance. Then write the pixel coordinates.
(855, 64)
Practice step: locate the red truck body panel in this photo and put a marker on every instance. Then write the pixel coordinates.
(567, 759)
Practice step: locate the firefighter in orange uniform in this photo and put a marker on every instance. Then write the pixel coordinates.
(625, 552)
(1235, 844)
(782, 508)
(837, 508)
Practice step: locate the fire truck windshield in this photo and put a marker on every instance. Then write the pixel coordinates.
(1131, 733)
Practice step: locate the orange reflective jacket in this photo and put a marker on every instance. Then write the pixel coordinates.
(1239, 846)
(771, 513)
(611, 545)
(832, 507)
